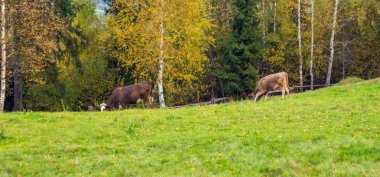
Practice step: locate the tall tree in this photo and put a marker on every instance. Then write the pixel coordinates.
(331, 60)
(3, 57)
(161, 56)
(35, 27)
(220, 15)
(312, 47)
(300, 44)
(161, 37)
(84, 76)
(275, 17)
(242, 50)
(264, 20)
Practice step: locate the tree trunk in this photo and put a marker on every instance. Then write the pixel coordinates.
(344, 68)
(312, 47)
(264, 27)
(274, 18)
(161, 61)
(331, 60)
(300, 43)
(17, 90)
(3, 58)
(212, 66)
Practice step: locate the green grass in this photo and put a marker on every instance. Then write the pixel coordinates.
(329, 132)
(350, 80)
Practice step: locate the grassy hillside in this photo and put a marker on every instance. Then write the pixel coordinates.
(333, 131)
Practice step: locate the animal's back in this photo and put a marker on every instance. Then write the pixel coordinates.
(134, 92)
(272, 81)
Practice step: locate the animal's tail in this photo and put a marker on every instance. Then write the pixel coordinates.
(287, 81)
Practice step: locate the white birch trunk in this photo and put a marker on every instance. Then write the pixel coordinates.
(331, 60)
(3, 58)
(312, 47)
(161, 61)
(264, 27)
(300, 43)
(274, 18)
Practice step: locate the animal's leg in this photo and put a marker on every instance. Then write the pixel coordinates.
(266, 96)
(148, 99)
(145, 102)
(110, 107)
(258, 94)
(287, 90)
(283, 92)
(151, 102)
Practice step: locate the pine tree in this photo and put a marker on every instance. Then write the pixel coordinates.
(241, 50)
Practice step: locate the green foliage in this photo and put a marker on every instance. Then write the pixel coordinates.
(306, 133)
(42, 97)
(86, 82)
(365, 61)
(241, 50)
(88, 85)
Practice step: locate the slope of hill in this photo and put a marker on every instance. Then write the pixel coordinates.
(329, 132)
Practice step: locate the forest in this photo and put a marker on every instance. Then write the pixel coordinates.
(61, 55)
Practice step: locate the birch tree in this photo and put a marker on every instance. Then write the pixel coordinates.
(263, 20)
(331, 60)
(161, 58)
(3, 57)
(312, 47)
(162, 42)
(300, 43)
(274, 17)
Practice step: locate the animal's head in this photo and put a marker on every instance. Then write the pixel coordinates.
(90, 108)
(103, 107)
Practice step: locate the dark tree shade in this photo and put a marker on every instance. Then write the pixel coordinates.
(241, 50)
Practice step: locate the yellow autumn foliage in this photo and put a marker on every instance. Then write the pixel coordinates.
(133, 37)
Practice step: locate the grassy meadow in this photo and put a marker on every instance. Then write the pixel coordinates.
(328, 132)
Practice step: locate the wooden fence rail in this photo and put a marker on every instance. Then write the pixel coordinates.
(213, 101)
(226, 99)
(299, 87)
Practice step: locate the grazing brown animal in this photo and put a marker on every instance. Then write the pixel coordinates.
(270, 83)
(122, 96)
